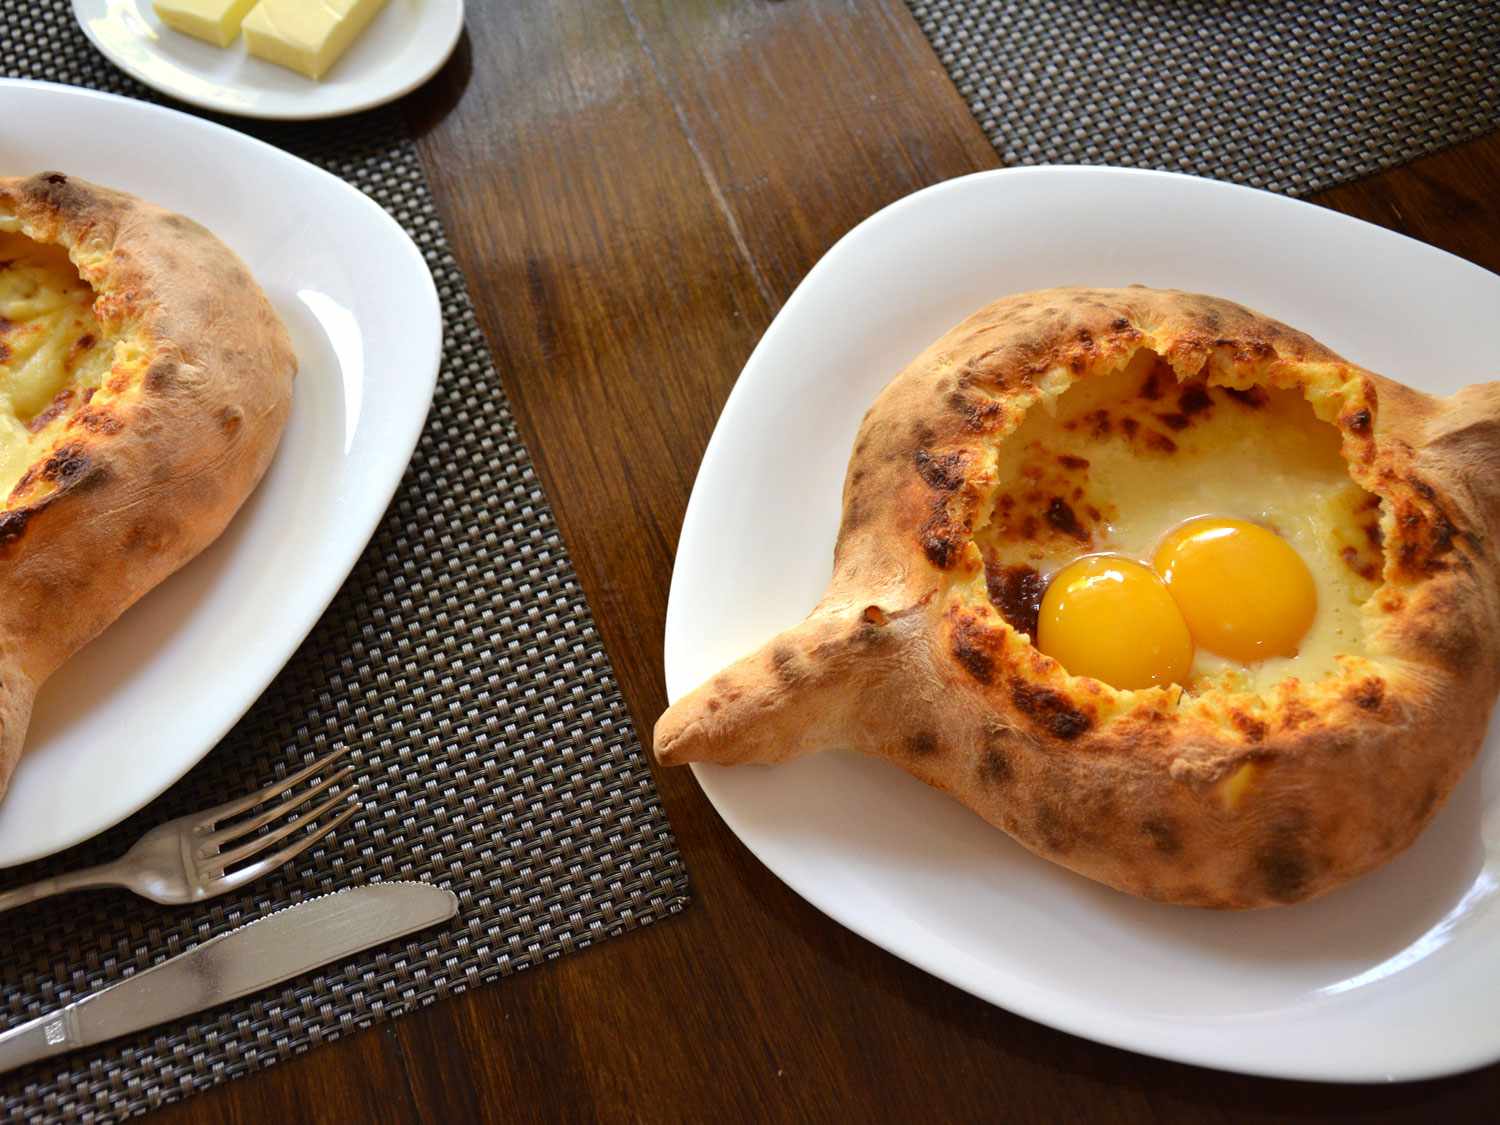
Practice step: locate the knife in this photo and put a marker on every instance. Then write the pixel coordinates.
(257, 955)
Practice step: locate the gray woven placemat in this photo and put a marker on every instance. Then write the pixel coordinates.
(1280, 94)
(460, 664)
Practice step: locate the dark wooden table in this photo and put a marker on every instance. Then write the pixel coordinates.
(633, 187)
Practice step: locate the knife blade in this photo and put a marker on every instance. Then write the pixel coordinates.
(254, 956)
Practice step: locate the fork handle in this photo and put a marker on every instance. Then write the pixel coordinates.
(105, 875)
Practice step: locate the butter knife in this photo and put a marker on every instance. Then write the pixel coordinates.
(257, 955)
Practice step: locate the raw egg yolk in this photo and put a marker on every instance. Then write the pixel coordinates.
(1113, 619)
(1245, 592)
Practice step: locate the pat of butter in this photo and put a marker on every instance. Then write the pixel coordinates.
(216, 21)
(307, 36)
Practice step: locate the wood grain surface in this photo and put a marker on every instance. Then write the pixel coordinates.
(632, 188)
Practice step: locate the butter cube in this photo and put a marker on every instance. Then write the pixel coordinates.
(307, 36)
(216, 21)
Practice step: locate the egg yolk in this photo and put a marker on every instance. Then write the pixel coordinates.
(1113, 619)
(1244, 591)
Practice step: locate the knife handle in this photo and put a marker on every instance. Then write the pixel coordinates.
(41, 1038)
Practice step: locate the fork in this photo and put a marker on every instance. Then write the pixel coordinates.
(188, 859)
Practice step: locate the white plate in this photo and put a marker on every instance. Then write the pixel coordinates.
(1394, 977)
(141, 705)
(403, 47)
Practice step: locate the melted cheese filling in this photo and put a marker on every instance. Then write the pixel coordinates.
(51, 348)
(1118, 461)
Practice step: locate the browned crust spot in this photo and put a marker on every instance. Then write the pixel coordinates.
(160, 376)
(923, 744)
(53, 410)
(96, 421)
(1017, 593)
(1252, 728)
(784, 662)
(1253, 398)
(1194, 399)
(971, 649)
(1283, 863)
(939, 543)
(1052, 711)
(1160, 442)
(1425, 538)
(994, 766)
(1163, 834)
(979, 415)
(1049, 828)
(1061, 516)
(13, 525)
(67, 465)
(1368, 694)
(1292, 713)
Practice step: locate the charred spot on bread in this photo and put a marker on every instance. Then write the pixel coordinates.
(54, 410)
(1252, 398)
(922, 744)
(939, 543)
(1061, 516)
(1050, 828)
(97, 421)
(1368, 694)
(787, 665)
(995, 767)
(1163, 834)
(1159, 442)
(942, 472)
(1282, 861)
(1016, 591)
(67, 465)
(13, 525)
(1252, 728)
(969, 651)
(1049, 710)
(1194, 399)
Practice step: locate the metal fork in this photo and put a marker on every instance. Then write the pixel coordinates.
(188, 859)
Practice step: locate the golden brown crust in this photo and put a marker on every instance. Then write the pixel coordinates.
(135, 480)
(1218, 799)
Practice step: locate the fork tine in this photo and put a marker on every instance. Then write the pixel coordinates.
(209, 817)
(216, 864)
(294, 801)
(244, 875)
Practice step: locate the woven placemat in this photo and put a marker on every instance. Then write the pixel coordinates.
(461, 666)
(1279, 94)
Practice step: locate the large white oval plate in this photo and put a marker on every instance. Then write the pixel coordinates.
(1394, 977)
(141, 705)
(402, 48)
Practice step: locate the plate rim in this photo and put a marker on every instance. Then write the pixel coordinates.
(384, 489)
(452, 33)
(695, 525)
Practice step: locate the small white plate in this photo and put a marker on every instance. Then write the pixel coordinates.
(141, 705)
(1394, 977)
(401, 49)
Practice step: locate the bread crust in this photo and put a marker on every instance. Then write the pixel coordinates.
(1217, 799)
(134, 480)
